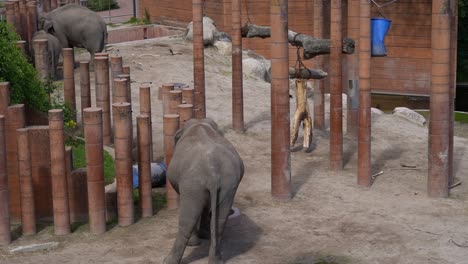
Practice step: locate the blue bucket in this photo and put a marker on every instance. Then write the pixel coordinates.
(379, 29)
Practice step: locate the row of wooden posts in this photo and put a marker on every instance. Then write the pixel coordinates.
(177, 103)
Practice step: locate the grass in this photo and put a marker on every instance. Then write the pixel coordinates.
(79, 161)
(459, 117)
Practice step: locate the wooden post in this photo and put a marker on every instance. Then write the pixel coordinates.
(144, 165)
(336, 89)
(120, 94)
(122, 115)
(41, 58)
(166, 89)
(145, 109)
(170, 127)
(364, 135)
(198, 59)
(93, 132)
(129, 86)
(237, 78)
(5, 234)
(23, 20)
(453, 85)
(69, 78)
(319, 93)
(438, 174)
(116, 69)
(175, 99)
(353, 70)
(85, 86)
(31, 21)
(185, 113)
(101, 71)
(58, 173)
(28, 216)
(280, 136)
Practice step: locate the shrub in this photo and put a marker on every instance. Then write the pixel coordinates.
(102, 5)
(25, 85)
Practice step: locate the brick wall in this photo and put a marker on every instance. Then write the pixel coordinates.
(406, 69)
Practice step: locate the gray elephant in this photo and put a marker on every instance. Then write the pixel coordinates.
(54, 50)
(206, 171)
(76, 26)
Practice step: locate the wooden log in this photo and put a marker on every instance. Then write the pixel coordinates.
(312, 46)
(302, 114)
(307, 74)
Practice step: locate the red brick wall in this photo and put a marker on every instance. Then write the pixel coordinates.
(406, 69)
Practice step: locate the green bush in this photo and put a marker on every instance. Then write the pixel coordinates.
(102, 5)
(25, 85)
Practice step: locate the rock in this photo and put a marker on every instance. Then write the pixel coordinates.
(209, 30)
(410, 115)
(254, 68)
(224, 47)
(376, 112)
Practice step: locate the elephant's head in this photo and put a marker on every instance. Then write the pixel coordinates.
(46, 24)
(207, 122)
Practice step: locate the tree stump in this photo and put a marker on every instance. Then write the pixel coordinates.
(302, 114)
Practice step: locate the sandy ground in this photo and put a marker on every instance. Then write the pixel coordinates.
(329, 220)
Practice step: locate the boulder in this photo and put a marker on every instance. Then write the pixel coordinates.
(256, 68)
(224, 47)
(209, 31)
(376, 112)
(410, 115)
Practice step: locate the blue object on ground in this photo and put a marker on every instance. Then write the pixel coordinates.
(379, 29)
(158, 175)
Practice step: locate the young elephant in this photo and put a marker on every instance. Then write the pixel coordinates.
(54, 50)
(206, 171)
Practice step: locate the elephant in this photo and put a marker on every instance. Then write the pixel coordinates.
(54, 50)
(205, 170)
(76, 26)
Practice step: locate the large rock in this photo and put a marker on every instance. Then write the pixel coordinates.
(256, 68)
(410, 115)
(224, 47)
(210, 32)
(376, 112)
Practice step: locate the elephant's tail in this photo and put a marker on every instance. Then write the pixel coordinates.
(213, 222)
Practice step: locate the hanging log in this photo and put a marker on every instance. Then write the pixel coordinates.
(306, 74)
(312, 46)
(302, 114)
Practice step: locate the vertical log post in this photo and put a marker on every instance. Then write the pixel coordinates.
(280, 131)
(70, 190)
(93, 132)
(170, 127)
(126, 70)
(187, 95)
(68, 78)
(336, 89)
(28, 216)
(129, 87)
(101, 65)
(120, 94)
(319, 92)
(438, 174)
(22, 45)
(122, 115)
(17, 16)
(198, 59)
(5, 234)
(58, 173)
(15, 119)
(85, 86)
(10, 13)
(166, 89)
(364, 135)
(185, 113)
(116, 69)
(41, 58)
(53, 4)
(23, 20)
(144, 164)
(4, 98)
(175, 99)
(237, 78)
(453, 84)
(145, 109)
(46, 6)
(353, 70)
(31, 20)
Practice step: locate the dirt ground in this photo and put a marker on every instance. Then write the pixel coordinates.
(329, 220)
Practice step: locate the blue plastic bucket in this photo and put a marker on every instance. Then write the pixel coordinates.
(379, 29)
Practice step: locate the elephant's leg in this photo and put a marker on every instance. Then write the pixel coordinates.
(224, 208)
(191, 206)
(203, 230)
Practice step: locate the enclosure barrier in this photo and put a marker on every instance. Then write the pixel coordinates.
(144, 165)
(170, 127)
